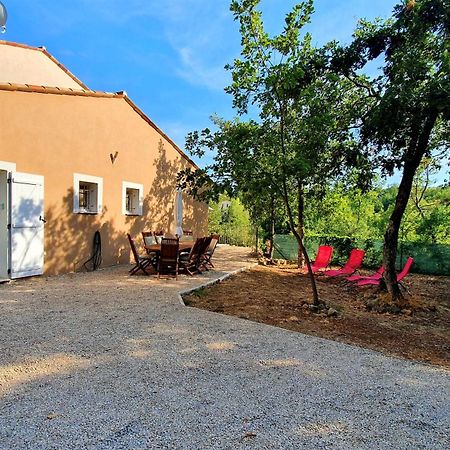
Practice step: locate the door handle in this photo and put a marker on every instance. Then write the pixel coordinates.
(42, 219)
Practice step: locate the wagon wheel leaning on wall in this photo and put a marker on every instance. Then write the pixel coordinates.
(94, 262)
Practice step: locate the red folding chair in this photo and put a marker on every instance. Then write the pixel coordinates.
(376, 276)
(354, 262)
(400, 276)
(323, 258)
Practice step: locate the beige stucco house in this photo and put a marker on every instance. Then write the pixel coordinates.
(74, 161)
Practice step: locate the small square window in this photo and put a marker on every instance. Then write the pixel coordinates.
(132, 201)
(87, 197)
(88, 193)
(132, 198)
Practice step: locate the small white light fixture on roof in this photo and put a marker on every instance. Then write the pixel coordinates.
(3, 17)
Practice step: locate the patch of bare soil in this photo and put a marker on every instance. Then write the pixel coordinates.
(277, 296)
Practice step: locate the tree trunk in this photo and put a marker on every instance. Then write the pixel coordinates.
(272, 227)
(256, 240)
(289, 211)
(302, 248)
(413, 157)
(308, 265)
(301, 222)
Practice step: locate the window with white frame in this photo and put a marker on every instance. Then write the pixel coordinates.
(88, 194)
(132, 198)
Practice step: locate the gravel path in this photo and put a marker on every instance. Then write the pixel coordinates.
(107, 361)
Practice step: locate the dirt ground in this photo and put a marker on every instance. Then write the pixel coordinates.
(277, 296)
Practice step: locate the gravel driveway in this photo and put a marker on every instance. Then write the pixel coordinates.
(107, 361)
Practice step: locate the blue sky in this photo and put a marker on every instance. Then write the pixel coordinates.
(168, 55)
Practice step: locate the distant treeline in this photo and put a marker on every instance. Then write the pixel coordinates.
(348, 213)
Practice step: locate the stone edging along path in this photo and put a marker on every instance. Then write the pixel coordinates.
(212, 282)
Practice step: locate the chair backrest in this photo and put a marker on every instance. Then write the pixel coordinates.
(169, 249)
(213, 244)
(158, 236)
(148, 237)
(170, 236)
(355, 259)
(133, 248)
(206, 243)
(187, 237)
(406, 267)
(196, 250)
(324, 254)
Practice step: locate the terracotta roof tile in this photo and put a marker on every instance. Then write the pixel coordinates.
(55, 90)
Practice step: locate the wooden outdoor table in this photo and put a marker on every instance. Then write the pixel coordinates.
(156, 248)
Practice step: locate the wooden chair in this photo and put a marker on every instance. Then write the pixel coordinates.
(158, 236)
(141, 262)
(210, 250)
(188, 236)
(168, 257)
(149, 239)
(203, 258)
(190, 262)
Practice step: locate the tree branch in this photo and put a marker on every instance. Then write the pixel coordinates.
(371, 92)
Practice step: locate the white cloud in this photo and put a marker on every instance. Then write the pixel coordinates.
(196, 70)
(200, 35)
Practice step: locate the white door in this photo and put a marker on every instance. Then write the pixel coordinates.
(4, 221)
(27, 224)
